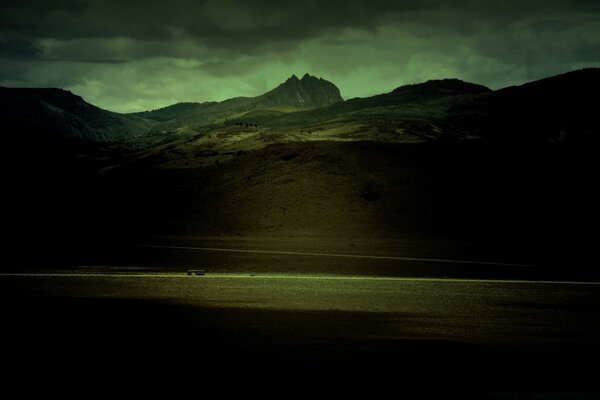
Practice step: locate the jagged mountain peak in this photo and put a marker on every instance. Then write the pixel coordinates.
(308, 92)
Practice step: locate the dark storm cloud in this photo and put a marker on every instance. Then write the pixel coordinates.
(12, 72)
(216, 21)
(252, 27)
(116, 51)
(91, 30)
(17, 48)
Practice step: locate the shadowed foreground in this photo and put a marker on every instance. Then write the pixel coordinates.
(280, 330)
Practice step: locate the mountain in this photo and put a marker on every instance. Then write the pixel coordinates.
(67, 115)
(308, 92)
(430, 99)
(296, 94)
(551, 108)
(556, 107)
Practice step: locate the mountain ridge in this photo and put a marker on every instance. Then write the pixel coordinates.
(551, 107)
(548, 108)
(67, 114)
(421, 100)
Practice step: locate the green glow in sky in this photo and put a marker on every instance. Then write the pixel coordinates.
(136, 55)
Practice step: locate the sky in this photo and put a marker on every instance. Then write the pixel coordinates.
(134, 55)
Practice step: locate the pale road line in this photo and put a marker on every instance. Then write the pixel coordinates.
(294, 277)
(364, 256)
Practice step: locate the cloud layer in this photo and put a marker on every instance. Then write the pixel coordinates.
(143, 54)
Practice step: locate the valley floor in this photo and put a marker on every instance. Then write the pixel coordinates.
(273, 332)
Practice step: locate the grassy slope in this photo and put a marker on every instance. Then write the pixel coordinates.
(520, 202)
(527, 202)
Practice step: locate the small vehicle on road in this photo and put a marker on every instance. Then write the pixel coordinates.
(197, 272)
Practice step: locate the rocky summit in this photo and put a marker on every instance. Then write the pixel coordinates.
(308, 92)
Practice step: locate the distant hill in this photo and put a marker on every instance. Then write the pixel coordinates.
(556, 107)
(428, 95)
(63, 113)
(435, 89)
(173, 111)
(430, 99)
